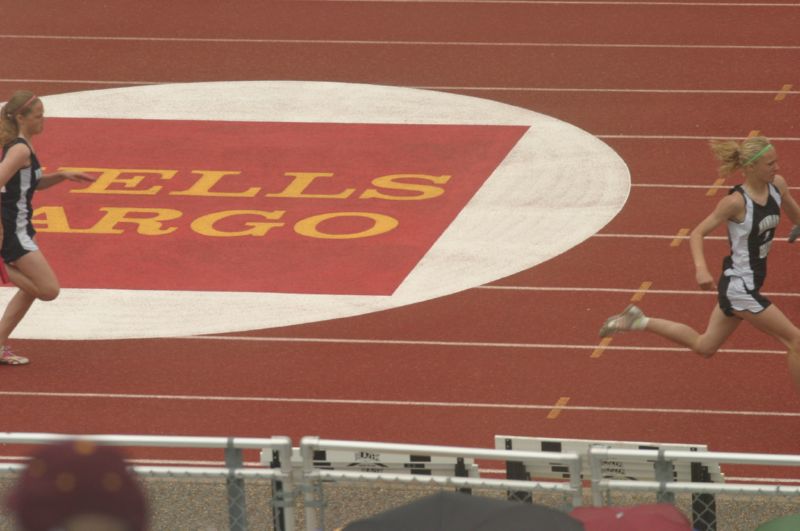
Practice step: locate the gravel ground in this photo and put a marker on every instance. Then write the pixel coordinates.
(201, 505)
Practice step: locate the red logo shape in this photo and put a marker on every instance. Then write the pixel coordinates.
(320, 208)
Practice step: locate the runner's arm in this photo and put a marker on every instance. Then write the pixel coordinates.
(730, 207)
(51, 179)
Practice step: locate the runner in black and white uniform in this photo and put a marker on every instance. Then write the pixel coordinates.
(17, 208)
(744, 270)
(751, 211)
(21, 118)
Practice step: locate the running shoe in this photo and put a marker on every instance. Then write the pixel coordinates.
(7, 357)
(621, 322)
(794, 234)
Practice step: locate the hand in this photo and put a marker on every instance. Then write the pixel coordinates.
(705, 280)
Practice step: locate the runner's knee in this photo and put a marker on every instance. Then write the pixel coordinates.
(705, 348)
(48, 293)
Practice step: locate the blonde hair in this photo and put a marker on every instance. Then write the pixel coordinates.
(20, 103)
(734, 155)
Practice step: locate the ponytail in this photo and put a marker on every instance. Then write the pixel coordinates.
(734, 155)
(20, 103)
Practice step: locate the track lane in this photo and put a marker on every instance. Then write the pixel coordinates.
(628, 262)
(512, 317)
(546, 355)
(662, 161)
(662, 114)
(467, 425)
(634, 113)
(422, 425)
(415, 372)
(416, 65)
(446, 22)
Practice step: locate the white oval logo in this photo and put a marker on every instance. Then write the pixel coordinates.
(222, 207)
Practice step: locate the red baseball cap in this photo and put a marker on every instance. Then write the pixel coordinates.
(74, 478)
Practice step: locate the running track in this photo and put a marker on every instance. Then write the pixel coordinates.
(653, 80)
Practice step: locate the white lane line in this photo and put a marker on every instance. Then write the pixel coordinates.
(427, 87)
(461, 344)
(608, 90)
(466, 87)
(374, 42)
(663, 236)
(86, 81)
(620, 290)
(573, 2)
(688, 137)
(652, 236)
(679, 186)
(403, 403)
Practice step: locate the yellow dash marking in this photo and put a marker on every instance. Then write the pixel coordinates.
(782, 93)
(679, 238)
(639, 295)
(556, 411)
(754, 132)
(716, 186)
(603, 344)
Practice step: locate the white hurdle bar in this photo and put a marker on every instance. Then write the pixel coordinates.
(310, 475)
(600, 485)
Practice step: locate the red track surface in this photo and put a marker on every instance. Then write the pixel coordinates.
(242, 385)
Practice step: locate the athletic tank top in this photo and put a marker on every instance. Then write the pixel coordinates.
(17, 194)
(752, 238)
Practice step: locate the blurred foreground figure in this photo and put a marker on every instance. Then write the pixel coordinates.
(78, 486)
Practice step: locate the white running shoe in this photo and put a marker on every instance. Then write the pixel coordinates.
(794, 234)
(7, 357)
(621, 322)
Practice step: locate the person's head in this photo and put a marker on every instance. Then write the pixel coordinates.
(78, 486)
(754, 156)
(23, 114)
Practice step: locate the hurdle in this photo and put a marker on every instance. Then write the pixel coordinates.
(315, 470)
(628, 469)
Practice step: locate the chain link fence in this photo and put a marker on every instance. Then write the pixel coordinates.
(223, 495)
(184, 502)
(709, 501)
(198, 504)
(347, 501)
(730, 511)
(323, 485)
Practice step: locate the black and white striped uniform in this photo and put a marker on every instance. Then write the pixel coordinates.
(17, 210)
(744, 271)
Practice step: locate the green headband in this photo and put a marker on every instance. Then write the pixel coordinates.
(758, 155)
